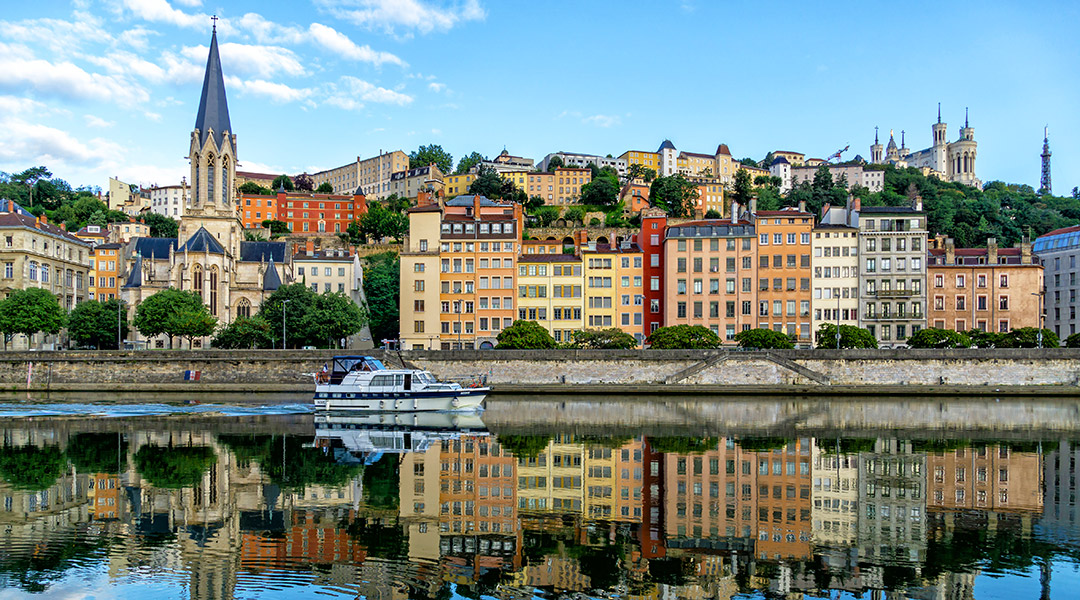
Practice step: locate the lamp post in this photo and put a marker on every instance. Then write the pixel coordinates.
(837, 290)
(283, 303)
(119, 307)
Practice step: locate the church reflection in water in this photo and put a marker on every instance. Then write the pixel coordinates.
(404, 507)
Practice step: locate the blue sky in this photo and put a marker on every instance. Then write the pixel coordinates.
(97, 89)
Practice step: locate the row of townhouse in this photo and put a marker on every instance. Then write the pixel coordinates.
(467, 274)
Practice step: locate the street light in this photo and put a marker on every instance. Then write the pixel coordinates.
(837, 290)
(283, 303)
(119, 306)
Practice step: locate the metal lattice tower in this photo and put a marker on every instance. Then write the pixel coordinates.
(1044, 181)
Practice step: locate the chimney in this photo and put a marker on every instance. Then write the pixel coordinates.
(476, 206)
(734, 216)
(581, 238)
(917, 203)
(802, 205)
(44, 219)
(991, 251)
(950, 251)
(856, 204)
(753, 204)
(309, 245)
(1025, 251)
(63, 226)
(824, 211)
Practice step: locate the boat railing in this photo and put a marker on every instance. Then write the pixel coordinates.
(468, 380)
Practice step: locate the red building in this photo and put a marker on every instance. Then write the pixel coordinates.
(651, 242)
(304, 212)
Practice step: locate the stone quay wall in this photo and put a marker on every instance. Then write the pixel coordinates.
(568, 371)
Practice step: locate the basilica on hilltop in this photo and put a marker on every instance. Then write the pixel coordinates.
(949, 161)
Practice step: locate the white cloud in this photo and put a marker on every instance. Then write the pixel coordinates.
(278, 92)
(436, 87)
(66, 80)
(339, 43)
(253, 60)
(602, 120)
(159, 11)
(351, 93)
(40, 144)
(179, 71)
(436, 131)
(413, 15)
(267, 32)
(15, 105)
(190, 3)
(96, 121)
(129, 64)
(137, 38)
(61, 37)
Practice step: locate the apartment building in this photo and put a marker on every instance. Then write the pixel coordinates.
(649, 160)
(989, 289)
(651, 240)
(305, 212)
(1058, 251)
(551, 289)
(710, 495)
(835, 494)
(457, 185)
(892, 273)
(835, 259)
(325, 271)
(553, 480)
(124, 231)
(855, 174)
(574, 159)
(784, 501)
(408, 184)
(419, 284)
(106, 264)
(506, 162)
(985, 478)
(367, 176)
(785, 272)
(613, 287)
(254, 209)
(168, 200)
(709, 273)
(892, 503)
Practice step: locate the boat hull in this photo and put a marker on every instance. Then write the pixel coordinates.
(333, 398)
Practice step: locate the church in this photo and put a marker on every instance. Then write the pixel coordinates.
(948, 161)
(210, 255)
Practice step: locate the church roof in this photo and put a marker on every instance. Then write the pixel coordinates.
(262, 251)
(202, 241)
(665, 145)
(213, 107)
(134, 279)
(154, 248)
(271, 281)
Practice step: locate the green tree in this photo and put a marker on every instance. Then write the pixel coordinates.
(932, 337)
(334, 316)
(1028, 337)
(744, 188)
(250, 187)
(640, 171)
(277, 228)
(98, 324)
(603, 191)
(97, 452)
(174, 313)
(525, 335)
(431, 154)
(379, 223)
(546, 215)
(683, 337)
(574, 214)
(244, 332)
(382, 288)
(325, 188)
(467, 162)
(603, 339)
(675, 194)
(161, 226)
(850, 337)
(488, 183)
(28, 312)
(1073, 341)
(304, 183)
(556, 162)
(764, 339)
(174, 467)
(712, 213)
(282, 180)
(31, 467)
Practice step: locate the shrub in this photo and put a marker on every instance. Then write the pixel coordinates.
(932, 337)
(764, 339)
(525, 335)
(684, 337)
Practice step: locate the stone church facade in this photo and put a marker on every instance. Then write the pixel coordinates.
(949, 161)
(210, 255)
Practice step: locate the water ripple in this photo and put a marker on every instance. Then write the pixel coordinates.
(144, 410)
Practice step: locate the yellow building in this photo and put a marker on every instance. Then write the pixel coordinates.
(550, 289)
(614, 296)
(456, 185)
(552, 480)
(613, 482)
(649, 160)
(105, 281)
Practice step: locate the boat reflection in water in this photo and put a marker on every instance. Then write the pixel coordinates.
(428, 505)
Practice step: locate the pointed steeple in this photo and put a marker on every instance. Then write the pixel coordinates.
(875, 134)
(966, 118)
(213, 107)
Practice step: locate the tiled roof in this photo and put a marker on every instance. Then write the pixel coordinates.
(202, 241)
(782, 213)
(154, 248)
(14, 219)
(271, 280)
(213, 107)
(134, 279)
(262, 251)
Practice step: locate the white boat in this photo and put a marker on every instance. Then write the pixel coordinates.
(367, 437)
(363, 383)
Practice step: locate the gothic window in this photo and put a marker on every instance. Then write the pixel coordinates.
(213, 290)
(195, 182)
(197, 280)
(211, 175)
(243, 308)
(224, 180)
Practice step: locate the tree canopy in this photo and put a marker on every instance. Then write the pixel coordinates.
(743, 190)
(305, 183)
(244, 332)
(850, 337)
(525, 335)
(174, 313)
(161, 226)
(431, 154)
(683, 337)
(30, 311)
(325, 188)
(283, 180)
(764, 339)
(250, 187)
(467, 162)
(381, 274)
(174, 467)
(932, 337)
(602, 191)
(97, 324)
(311, 319)
(675, 194)
(603, 339)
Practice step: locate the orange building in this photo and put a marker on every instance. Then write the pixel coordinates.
(990, 289)
(784, 504)
(305, 212)
(988, 478)
(635, 197)
(711, 495)
(105, 277)
(255, 208)
(709, 273)
(784, 272)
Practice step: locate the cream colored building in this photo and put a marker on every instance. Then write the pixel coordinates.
(950, 161)
(168, 200)
(835, 495)
(35, 253)
(123, 232)
(407, 184)
(835, 281)
(370, 175)
(419, 287)
(325, 270)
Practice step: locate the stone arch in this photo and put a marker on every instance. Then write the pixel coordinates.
(568, 241)
(602, 240)
(560, 222)
(551, 238)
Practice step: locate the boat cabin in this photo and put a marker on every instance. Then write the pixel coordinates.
(343, 365)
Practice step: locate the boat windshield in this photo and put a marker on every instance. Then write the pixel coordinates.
(424, 377)
(345, 364)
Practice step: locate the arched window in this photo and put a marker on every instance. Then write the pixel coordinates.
(213, 290)
(225, 180)
(243, 308)
(211, 176)
(195, 183)
(197, 280)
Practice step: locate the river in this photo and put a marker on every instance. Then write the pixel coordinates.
(224, 497)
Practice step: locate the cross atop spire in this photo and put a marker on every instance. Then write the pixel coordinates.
(214, 19)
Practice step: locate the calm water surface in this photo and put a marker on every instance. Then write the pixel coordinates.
(541, 497)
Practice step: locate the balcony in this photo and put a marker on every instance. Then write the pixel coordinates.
(896, 293)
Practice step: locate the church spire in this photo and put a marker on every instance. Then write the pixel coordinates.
(213, 107)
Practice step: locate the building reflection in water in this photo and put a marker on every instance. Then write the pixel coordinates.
(388, 507)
